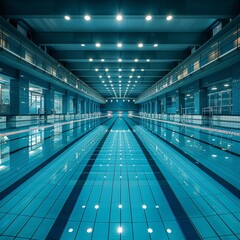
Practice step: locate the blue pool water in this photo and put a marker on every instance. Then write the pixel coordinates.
(119, 180)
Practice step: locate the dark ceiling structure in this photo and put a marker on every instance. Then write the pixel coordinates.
(120, 48)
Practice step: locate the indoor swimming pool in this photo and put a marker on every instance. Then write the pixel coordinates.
(119, 178)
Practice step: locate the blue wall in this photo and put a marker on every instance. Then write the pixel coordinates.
(119, 106)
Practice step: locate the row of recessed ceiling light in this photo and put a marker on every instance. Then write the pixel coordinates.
(119, 17)
(119, 45)
(110, 81)
(120, 70)
(130, 76)
(120, 85)
(119, 60)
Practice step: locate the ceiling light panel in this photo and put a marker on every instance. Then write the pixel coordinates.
(169, 17)
(87, 17)
(119, 17)
(148, 18)
(67, 17)
(119, 45)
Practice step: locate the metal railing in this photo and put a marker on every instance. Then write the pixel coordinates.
(28, 52)
(227, 109)
(205, 55)
(187, 110)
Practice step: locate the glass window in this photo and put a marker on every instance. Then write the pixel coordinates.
(4, 95)
(36, 101)
(221, 102)
(57, 102)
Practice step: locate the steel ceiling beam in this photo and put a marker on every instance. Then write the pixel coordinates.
(49, 38)
(57, 8)
(147, 66)
(82, 56)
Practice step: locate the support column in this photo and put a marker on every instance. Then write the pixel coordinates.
(156, 110)
(150, 108)
(81, 106)
(89, 106)
(78, 104)
(74, 99)
(65, 104)
(181, 102)
(236, 97)
(49, 100)
(85, 107)
(159, 106)
(19, 95)
(177, 106)
(200, 100)
(147, 108)
(165, 104)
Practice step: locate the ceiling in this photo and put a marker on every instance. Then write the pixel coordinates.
(127, 70)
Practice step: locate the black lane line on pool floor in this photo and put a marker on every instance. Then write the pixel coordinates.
(231, 188)
(66, 211)
(187, 227)
(27, 176)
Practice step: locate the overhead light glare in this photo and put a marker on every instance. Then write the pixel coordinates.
(119, 17)
(87, 17)
(140, 45)
(155, 45)
(148, 18)
(119, 45)
(90, 59)
(67, 17)
(169, 17)
(120, 230)
(120, 60)
(89, 230)
(98, 45)
(136, 60)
